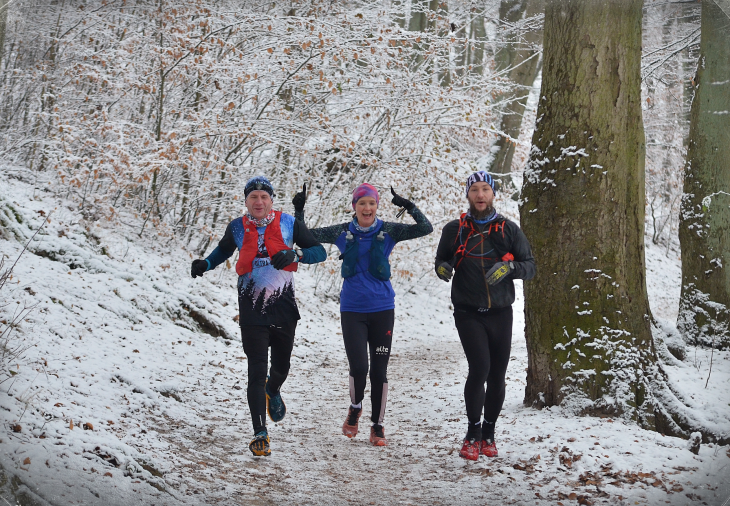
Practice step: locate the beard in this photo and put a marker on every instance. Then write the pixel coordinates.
(480, 215)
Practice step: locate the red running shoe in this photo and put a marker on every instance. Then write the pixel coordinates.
(470, 450)
(377, 436)
(349, 428)
(489, 448)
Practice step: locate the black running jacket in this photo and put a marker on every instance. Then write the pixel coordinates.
(473, 249)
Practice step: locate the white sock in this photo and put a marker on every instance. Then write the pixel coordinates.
(356, 406)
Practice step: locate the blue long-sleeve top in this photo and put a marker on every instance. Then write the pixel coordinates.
(363, 292)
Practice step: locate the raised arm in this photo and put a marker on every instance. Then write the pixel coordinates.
(327, 235)
(402, 232)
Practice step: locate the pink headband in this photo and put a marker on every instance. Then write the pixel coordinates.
(365, 190)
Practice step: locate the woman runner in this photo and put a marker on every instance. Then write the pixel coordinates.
(367, 300)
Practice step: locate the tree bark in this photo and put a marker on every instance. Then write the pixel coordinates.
(524, 63)
(590, 346)
(704, 232)
(3, 23)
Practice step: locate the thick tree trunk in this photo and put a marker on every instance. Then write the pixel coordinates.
(3, 23)
(704, 232)
(475, 46)
(523, 60)
(588, 326)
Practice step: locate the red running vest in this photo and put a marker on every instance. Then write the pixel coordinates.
(273, 241)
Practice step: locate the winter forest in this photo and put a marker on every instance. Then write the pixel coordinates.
(128, 131)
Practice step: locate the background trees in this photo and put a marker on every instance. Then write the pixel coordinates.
(704, 233)
(583, 210)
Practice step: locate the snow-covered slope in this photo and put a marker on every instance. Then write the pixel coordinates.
(133, 392)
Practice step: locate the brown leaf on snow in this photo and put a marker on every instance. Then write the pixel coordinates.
(88, 426)
(571, 440)
(58, 405)
(17, 427)
(677, 488)
(566, 461)
(110, 475)
(135, 351)
(590, 478)
(26, 461)
(584, 499)
(71, 425)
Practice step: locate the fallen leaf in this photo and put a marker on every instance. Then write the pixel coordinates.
(71, 425)
(26, 461)
(109, 422)
(17, 427)
(137, 351)
(88, 426)
(571, 440)
(108, 474)
(58, 405)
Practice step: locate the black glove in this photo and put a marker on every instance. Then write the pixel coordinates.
(499, 271)
(401, 202)
(198, 268)
(444, 271)
(283, 258)
(300, 199)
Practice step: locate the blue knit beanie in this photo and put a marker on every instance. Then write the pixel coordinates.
(258, 183)
(480, 176)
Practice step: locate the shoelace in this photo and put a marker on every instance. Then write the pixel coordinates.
(352, 419)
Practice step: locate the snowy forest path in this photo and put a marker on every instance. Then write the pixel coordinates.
(311, 461)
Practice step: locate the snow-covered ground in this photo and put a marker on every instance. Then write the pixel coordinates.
(123, 399)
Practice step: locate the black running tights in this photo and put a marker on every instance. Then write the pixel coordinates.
(373, 330)
(487, 340)
(256, 342)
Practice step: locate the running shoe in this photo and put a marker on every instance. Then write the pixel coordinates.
(259, 445)
(377, 436)
(349, 428)
(489, 448)
(275, 406)
(470, 449)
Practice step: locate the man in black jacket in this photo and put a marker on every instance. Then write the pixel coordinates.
(487, 251)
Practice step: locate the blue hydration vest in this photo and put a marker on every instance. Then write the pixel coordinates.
(366, 270)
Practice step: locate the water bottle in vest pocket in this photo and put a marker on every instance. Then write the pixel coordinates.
(379, 266)
(349, 256)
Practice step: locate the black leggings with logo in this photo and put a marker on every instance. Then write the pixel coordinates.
(361, 331)
(487, 340)
(256, 342)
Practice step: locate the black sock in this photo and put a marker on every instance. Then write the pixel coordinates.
(474, 431)
(487, 430)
